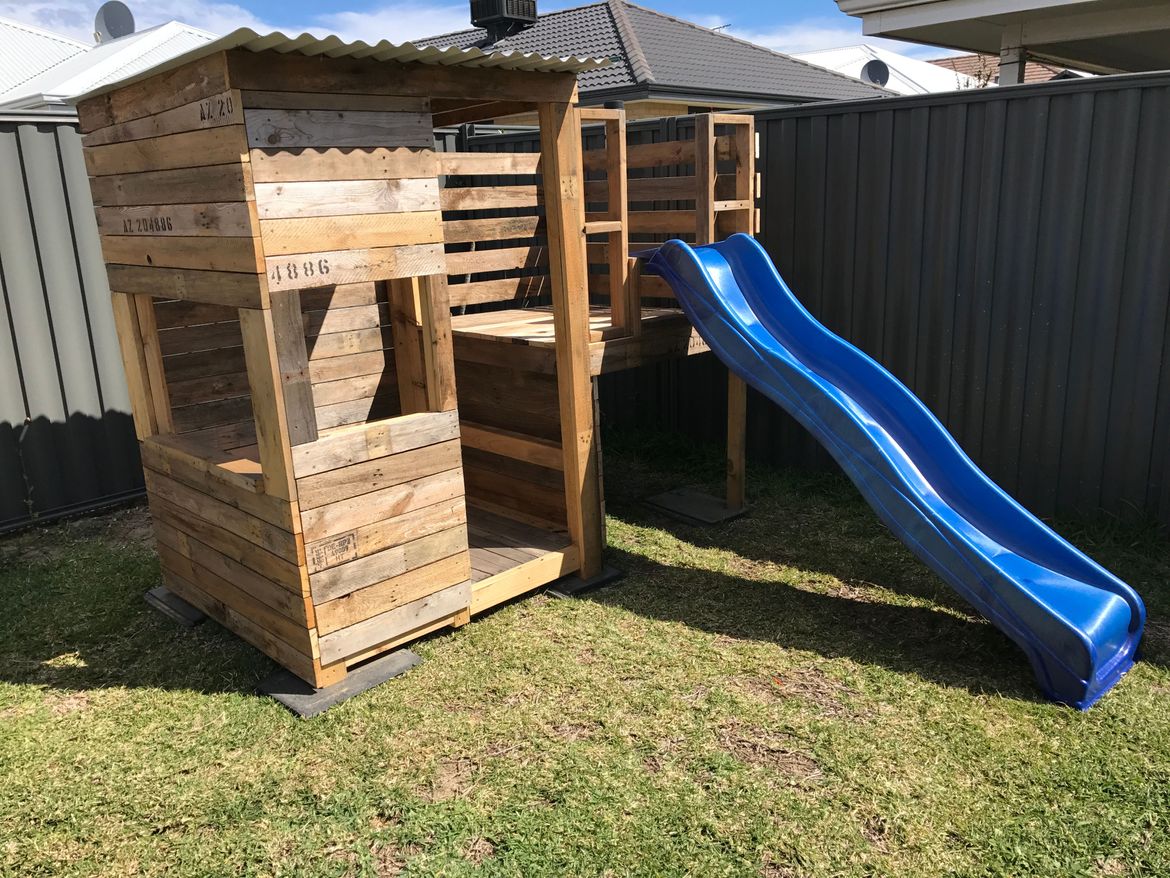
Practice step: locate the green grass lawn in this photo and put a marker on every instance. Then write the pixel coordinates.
(789, 694)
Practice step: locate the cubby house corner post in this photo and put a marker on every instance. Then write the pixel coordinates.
(706, 219)
(142, 362)
(561, 157)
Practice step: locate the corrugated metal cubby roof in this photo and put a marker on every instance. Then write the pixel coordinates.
(335, 47)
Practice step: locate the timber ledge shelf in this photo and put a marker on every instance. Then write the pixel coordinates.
(335, 466)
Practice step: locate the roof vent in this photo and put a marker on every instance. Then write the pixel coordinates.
(502, 18)
(875, 72)
(113, 20)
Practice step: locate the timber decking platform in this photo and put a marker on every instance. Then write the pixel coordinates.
(509, 557)
(665, 333)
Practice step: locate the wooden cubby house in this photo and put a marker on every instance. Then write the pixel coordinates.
(335, 464)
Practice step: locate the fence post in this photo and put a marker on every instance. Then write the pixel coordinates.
(706, 174)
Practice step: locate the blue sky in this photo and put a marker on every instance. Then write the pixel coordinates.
(786, 25)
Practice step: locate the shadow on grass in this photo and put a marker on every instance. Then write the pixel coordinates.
(75, 619)
(928, 643)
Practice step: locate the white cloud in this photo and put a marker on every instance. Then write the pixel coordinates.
(396, 22)
(74, 18)
(810, 35)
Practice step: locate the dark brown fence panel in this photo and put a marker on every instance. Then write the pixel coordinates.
(1004, 252)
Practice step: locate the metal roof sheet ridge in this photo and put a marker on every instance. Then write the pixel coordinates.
(334, 47)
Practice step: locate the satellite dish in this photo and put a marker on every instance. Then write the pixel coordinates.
(113, 20)
(875, 72)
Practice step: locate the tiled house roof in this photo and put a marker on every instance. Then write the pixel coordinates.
(985, 68)
(660, 56)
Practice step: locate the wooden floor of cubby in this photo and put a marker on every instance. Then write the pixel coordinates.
(509, 557)
(665, 333)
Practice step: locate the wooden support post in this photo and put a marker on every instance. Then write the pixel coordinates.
(438, 346)
(260, 354)
(622, 310)
(561, 164)
(292, 363)
(409, 358)
(143, 365)
(706, 171)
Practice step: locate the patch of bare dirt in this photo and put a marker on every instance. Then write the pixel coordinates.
(452, 780)
(121, 527)
(70, 703)
(757, 746)
(876, 831)
(773, 869)
(1107, 867)
(390, 859)
(479, 850)
(807, 684)
(572, 732)
(856, 590)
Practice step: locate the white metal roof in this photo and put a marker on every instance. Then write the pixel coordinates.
(27, 51)
(335, 47)
(908, 76)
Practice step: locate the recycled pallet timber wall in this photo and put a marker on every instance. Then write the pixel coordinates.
(273, 230)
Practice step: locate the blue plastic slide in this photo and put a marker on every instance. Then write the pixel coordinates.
(1078, 624)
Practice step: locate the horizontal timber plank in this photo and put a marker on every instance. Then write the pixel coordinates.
(490, 197)
(284, 573)
(466, 231)
(385, 627)
(390, 564)
(475, 351)
(661, 222)
(510, 443)
(310, 165)
(206, 388)
(348, 367)
(351, 481)
(223, 183)
(231, 595)
(337, 319)
(379, 535)
(522, 578)
(390, 594)
(470, 164)
(345, 197)
(190, 82)
(381, 405)
(267, 536)
(261, 71)
(359, 231)
(210, 112)
(213, 146)
(346, 515)
(337, 128)
(353, 266)
(196, 252)
(497, 259)
(292, 605)
(224, 219)
(352, 445)
(236, 289)
(212, 413)
(501, 290)
(307, 100)
(200, 337)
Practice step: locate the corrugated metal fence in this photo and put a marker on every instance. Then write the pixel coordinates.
(66, 436)
(1006, 253)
